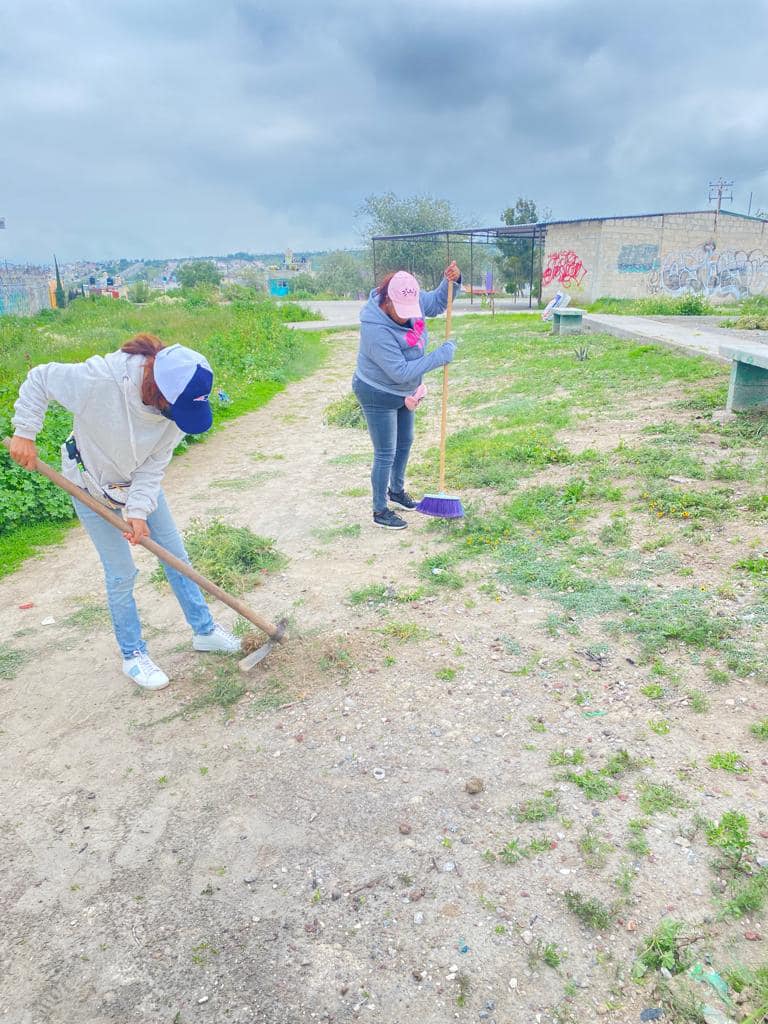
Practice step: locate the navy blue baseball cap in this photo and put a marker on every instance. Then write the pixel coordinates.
(185, 380)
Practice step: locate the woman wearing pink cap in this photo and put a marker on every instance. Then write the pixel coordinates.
(390, 364)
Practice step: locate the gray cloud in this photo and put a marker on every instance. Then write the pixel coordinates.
(202, 127)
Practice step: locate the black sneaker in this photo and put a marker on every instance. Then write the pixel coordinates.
(403, 499)
(389, 520)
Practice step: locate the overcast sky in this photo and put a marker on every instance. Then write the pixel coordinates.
(164, 128)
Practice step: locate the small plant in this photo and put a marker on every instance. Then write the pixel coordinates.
(731, 836)
(660, 726)
(638, 844)
(760, 729)
(660, 798)
(548, 953)
(536, 724)
(404, 632)
(664, 948)
(594, 850)
(373, 594)
(750, 897)
(698, 701)
(536, 809)
(655, 691)
(328, 534)
(581, 353)
(511, 853)
(624, 879)
(593, 785)
(591, 911)
(728, 761)
(564, 757)
(446, 674)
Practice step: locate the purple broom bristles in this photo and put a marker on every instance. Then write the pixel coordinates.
(441, 506)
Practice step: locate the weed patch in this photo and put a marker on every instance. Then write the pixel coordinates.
(345, 412)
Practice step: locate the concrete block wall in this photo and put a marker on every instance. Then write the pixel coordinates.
(721, 258)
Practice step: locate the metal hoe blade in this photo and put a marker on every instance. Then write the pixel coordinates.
(252, 659)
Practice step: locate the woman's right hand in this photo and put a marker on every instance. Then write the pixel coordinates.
(23, 451)
(449, 348)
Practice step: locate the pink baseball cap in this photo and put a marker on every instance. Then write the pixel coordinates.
(403, 292)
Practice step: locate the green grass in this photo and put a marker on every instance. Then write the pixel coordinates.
(345, 412)
(536, 809)
(660, 798)
(760, 729)
(568, 756)
(405, 632)
(731, 837)
(90, 616)
(329, 534)
(233, 557)
(252, 352)
(590, 910)
(657, 305)
(27, 542)
(11, 661)
(728, 761)
(749, 896)
(594, 849)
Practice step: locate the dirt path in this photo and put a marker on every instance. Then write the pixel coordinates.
(320, 860)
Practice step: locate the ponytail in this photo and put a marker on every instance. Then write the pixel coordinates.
(147, 345)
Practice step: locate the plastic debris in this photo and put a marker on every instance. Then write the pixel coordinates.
(463, 947)
(379, 774)
(49, 621)
(713, 979)
(712, 1015)
(27, 606)
(593, 714)
(652, 1013)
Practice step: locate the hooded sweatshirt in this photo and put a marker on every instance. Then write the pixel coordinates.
(122, 442)
(391, 356)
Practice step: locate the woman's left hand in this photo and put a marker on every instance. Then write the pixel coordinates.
(452, 272)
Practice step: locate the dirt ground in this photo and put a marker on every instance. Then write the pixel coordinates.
(323, 860)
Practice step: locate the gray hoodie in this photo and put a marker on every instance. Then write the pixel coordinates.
(123, 443)
(391, 357)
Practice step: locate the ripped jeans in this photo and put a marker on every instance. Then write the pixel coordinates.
(120, 574)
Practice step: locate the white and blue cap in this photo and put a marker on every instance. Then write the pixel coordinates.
(185, 379)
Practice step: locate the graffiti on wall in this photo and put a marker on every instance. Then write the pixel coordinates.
(638, 259)
(565, 267)
(733, 273)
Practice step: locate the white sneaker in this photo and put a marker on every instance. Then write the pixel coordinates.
(219, 640)
(144, 672)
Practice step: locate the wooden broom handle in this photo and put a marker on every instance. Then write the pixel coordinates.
(444, 415)
(164, 555)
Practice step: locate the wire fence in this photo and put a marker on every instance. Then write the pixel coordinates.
(24, 290)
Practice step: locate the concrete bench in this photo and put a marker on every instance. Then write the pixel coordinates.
(567, 320)
(749, 376)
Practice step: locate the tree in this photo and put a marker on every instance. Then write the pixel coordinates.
(515, 262)
(342, 274)
(196, 272)
(61, 298)
(389, 215)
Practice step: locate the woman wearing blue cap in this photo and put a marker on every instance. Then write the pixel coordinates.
(131, 409)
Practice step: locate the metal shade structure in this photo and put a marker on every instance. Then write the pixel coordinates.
(470, 237)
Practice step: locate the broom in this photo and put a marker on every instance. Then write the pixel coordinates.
(442, 505)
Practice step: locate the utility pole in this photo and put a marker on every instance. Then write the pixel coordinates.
(717, 191)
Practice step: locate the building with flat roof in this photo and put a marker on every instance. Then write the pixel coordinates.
(722, 256)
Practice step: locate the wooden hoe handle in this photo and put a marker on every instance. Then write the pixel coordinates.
(164, 555)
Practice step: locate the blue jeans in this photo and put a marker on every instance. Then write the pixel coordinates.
(390, 425)
(120, 574)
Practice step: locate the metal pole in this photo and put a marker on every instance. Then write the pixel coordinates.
(749, 208)
(530, 282)
(471, 273)
(373, 246)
